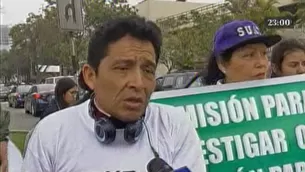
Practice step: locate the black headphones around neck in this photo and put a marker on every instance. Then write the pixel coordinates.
(105, 130)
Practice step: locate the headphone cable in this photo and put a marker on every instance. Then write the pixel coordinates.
(149, 140)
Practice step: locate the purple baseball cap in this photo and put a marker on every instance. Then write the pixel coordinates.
(240, 32)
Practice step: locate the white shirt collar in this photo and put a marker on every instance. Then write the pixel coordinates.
(107, 114)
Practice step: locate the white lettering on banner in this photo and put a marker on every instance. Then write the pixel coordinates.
(239, 110)
(296, 167)
(248, 145)
(292, 105)
(241, 169)
(215, 114)
(300, 136)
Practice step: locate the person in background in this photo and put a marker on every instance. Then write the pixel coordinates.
(288, 58)
(4, 132)
(118, 128)
(65, 96)
(239, 53)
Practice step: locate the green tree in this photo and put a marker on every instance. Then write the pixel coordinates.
(98, 11)
(6, 67)
(21, 49)
(188, 38)
(257, 11)
(41, 41)
(300, 14)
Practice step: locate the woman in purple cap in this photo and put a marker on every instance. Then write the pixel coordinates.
(239, 53)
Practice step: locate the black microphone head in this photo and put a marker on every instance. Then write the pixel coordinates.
(158, 165)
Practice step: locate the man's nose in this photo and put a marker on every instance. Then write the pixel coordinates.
(136, 79)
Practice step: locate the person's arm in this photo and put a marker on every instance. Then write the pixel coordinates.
(4, 132)
(3, 156)
(187, 149)
(4, 124)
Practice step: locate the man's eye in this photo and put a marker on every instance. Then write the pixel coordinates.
(149, 71)
(121, 68)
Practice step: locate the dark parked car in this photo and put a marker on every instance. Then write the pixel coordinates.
(174, 80)
(17, 95)
(4, 91)
(38, 98)
(196, 81)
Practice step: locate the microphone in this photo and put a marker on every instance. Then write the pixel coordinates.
(159, 165)
(183, 169)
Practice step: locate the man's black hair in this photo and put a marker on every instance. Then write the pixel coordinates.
(115, 29)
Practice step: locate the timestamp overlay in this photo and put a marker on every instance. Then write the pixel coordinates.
(279, 22)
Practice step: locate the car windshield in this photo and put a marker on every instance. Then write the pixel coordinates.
(23, 88)
(47, 87)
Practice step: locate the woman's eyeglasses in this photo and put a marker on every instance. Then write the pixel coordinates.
(73, 92)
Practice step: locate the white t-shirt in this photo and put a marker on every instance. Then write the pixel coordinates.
(65, 142)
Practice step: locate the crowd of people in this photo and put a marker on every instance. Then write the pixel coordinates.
(115, 127)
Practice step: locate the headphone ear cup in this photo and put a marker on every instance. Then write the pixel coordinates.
(104, 130)
(132, 131)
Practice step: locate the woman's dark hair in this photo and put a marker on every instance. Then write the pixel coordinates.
(62, 86)
(280, 50)
(113, 30)
(213, 73)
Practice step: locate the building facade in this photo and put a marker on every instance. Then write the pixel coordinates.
(157, 9)
(160, 11)
(5, 40)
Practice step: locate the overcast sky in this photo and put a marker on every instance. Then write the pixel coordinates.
(16, 11)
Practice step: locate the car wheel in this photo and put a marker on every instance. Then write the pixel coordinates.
(26, 111)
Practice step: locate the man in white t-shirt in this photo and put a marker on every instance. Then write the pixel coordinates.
(117, 129)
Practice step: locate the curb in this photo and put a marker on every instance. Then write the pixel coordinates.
(19, 131)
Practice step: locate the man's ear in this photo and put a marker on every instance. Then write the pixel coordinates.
(89, 76)
(221, 66)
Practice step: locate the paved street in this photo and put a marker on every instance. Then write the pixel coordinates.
(19, 119)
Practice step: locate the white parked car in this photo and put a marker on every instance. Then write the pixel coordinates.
(53, 80)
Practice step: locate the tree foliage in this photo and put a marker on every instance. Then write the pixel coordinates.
(300, 14)
(40, 41)
(188, 38)
(7, 67)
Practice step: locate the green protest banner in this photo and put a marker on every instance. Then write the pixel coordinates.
(256, 126)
